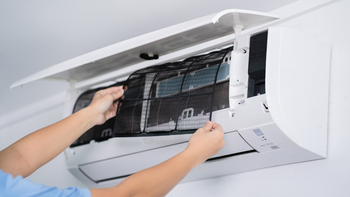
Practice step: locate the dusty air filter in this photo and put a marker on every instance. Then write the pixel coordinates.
(174, 98)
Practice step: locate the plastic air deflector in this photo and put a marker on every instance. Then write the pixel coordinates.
(231, 155)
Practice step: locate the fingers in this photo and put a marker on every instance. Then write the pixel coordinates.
(116, 105)
(216, 126)
(104, 92)
(208, 126)
(112, 90)
(115, 92)
(116, 95)
(217, 129)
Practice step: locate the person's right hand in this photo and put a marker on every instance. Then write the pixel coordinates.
(206, 142)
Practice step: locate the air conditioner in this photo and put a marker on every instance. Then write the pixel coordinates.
(267, 87)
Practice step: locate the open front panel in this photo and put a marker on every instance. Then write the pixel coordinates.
(174, 98)
(116, 57)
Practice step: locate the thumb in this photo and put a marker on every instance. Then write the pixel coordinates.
(116, 95)
(208, 126)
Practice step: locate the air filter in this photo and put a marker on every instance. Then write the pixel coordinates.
(174, 98)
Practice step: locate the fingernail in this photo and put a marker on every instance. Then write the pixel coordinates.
(208, 123)
(120, 91)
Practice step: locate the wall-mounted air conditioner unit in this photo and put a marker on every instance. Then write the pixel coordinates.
(267, 87)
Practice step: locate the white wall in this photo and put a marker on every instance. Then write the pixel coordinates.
(330, 177)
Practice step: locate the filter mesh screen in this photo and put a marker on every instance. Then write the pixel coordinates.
(174, 97)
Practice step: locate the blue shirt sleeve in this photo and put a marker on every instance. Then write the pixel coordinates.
(19, 187)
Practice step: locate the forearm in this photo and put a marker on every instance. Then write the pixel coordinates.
(36, 149)
(39, 147)
(154, 181)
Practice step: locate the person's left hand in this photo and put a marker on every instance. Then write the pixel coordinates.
(102, 103)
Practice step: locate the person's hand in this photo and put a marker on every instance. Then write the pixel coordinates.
(206, 142)
(102, 104)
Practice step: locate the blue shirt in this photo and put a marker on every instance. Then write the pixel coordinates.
(19, 187)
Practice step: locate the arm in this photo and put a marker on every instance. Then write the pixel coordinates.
(160, 179)
(36, 149)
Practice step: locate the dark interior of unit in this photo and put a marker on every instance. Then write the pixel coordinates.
(257, 64)
(173, 98)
